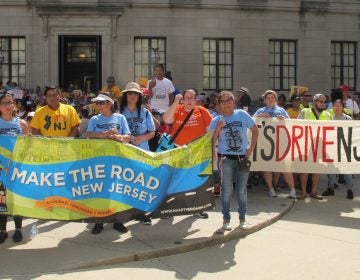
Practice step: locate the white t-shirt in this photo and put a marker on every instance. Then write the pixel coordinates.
(352, 105)
(160, 94)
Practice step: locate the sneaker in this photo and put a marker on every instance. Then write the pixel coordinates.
(272, 193)
(243, 225)
(17, 237)
(146, 220)
(3, 236)
(292, 193)
(202, 215)
(97, 228)
(350, 194)
(120, 227)
(226, 226)
(328, 192)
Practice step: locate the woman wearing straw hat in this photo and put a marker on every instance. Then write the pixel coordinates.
(139, 119)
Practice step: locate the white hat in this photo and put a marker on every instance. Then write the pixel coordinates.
(103, 97)
(31, 114)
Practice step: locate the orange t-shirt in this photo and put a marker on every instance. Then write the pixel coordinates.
(195, 126)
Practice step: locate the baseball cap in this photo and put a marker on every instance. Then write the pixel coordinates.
(110, 79)
(318, 96)
(295, 97)
(244, 90)
(344, 88)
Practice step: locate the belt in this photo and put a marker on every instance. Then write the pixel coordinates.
(233, 157)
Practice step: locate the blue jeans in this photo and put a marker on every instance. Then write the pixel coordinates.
(230, 170)
(348, 179)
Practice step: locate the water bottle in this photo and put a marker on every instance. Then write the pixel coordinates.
(34, 231)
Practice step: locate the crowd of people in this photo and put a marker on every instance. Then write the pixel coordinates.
(140, 114)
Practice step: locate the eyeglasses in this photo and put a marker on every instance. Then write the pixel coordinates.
(224, 101)
(101, 102)
(7, 103)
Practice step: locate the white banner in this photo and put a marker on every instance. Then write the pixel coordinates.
(307, 146)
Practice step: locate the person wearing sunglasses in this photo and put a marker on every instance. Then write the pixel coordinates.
(10, 124)
(316, 112)
(108, 125)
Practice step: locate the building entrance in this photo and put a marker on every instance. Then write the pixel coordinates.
(80, 62)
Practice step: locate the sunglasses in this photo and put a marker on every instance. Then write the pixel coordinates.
(101, 102)
(132, 93)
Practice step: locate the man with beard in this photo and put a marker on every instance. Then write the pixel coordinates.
(317, 112)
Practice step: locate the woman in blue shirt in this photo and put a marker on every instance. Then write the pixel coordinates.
(10, 125)
(230, 129)
(140, 121)
(108, 125)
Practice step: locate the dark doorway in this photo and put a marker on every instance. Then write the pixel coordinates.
(80, 62)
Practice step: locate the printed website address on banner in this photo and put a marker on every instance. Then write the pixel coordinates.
(189, 209)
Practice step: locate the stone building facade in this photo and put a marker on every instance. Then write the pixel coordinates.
(207, 44)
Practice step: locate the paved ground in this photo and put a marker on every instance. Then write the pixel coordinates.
(317, 240)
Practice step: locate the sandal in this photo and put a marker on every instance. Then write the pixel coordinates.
(316, 196)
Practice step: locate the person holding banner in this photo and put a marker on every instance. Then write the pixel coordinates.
(10, 124)
(108, 125)
(316, 112)
(230, 130)
(196, 125)
(339, 115)
(55, 118)
(272, 110)
(139, 119)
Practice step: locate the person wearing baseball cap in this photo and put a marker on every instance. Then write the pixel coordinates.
(294, 110)
(350, 104)
(316, 112)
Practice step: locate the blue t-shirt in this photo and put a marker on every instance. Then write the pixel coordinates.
(273, 112)
(12, 127)
(233, 137)
(101, 123)
(140, 125)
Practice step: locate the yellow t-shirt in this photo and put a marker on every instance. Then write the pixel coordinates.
(55, 123)
(115, 91)
(293, 114)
